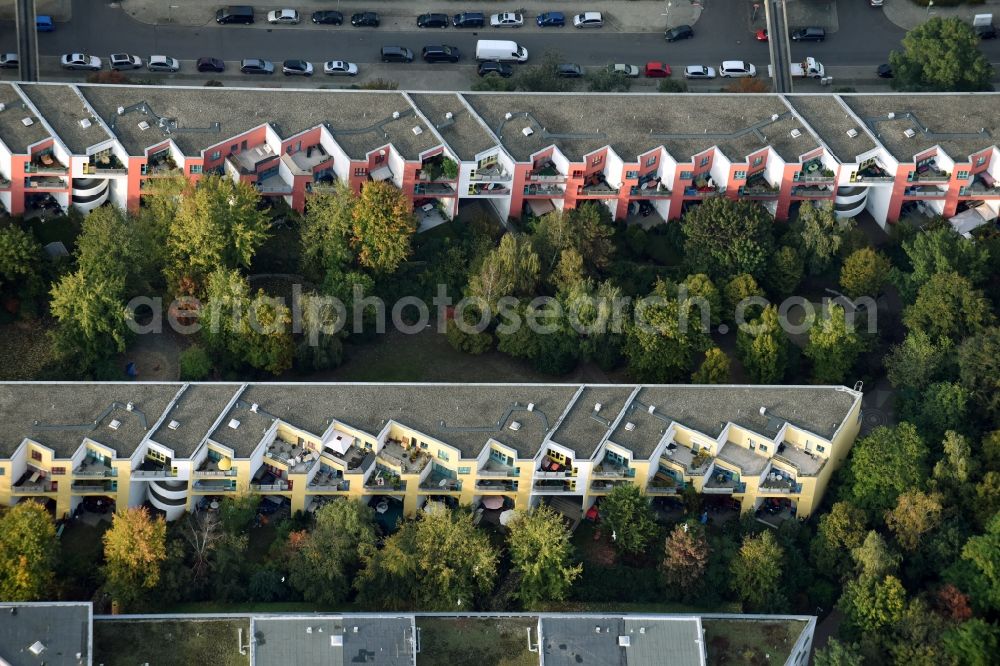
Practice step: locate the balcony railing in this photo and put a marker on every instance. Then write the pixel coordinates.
(930, 176)
(95, 472)
(780, 487)
(214, 473)
(280, 486)
(925, 191)
(433, 187)
(497, 486)
(487, 189)
(704, 192)
(54, 166)
(214, 486)
(4, 183)
(152, 473)
(553, 486)
(92, 168)
(543, 190)
(46, 182)
(490, 176)
(92, 487)
(660, 190)
(274, 186)
(811, 192)
(598, 189)
(450, 485)
(32, 488)
(341, 486)
(545, 173)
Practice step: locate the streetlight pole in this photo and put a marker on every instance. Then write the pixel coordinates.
(929, 5)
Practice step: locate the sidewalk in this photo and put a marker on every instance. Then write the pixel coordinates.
(619, 15)
(60, 10)
(908, 15)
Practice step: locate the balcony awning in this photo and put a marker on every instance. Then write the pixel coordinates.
(382, 173)
(540, 207)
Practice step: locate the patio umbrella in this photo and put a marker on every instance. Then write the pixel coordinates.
(493, 502)
(225, 464)
(506, 517)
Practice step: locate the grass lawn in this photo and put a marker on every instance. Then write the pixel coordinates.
(170, 643)
(62, 228)
(487, 642)
(25, 348)
(751, 642)
(260, 542)
(81, 555)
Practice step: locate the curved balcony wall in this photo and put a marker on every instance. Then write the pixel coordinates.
(850, 201)
(89, 193)
(172, 506)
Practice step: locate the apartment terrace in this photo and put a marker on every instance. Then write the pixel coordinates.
(328, 479)
(813, 171)
(410, 460)
(812, 192)
(93, 468)
(982, 183)
(297, 457)
(45, 162)
(780, 481)
(723, 481)
(160, 163)
(310, 158)
(495, 468)
(215, 468)
(491, 173)
(438, 482)
(104, 163)
(90, 486)
(385, 480)
(808, 464)
(273, 184)
(747, 461)
(545, 172)
(649, 186)
(758, 186)
(927, 172)
(694, 464)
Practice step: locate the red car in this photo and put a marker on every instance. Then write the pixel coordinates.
(657, 70)
(762, 35)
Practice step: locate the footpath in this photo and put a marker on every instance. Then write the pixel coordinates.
(908, 15)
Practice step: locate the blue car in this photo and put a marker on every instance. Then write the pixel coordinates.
(44, 23)
(551, 20)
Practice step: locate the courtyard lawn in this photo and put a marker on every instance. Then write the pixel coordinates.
(732, 642)
(170, 642)
(25, 348)
(81, 558)
(486, 642)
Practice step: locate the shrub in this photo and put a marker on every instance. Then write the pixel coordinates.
(195, 364)
(672, 86)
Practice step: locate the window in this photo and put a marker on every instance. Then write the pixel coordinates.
(464, 470)
(194, 168)
(443, 455)
(216, 155)
(577, 173)
(963, 175)
(596, 160)
(36, 455)
(243, 145)
(360, 171)
(753, 445)
(651, 160)
(758, 160)
(686, 175)
(821, 448)
(631, 174)
(423, 445)
(763, 448)
(379, 159)
(58, 471)
(981, 160)
(740, 175)
(3, 470)
(234, 148)
(705, 160)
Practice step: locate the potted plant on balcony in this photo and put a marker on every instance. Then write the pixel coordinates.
(449, 168)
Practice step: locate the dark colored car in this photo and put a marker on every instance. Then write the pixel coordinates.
(211, 65)
(680, 32)
(441, 53)
(365, 20)
(569, 70)
(396, 54)
(327, 17)
(986, 31)
(494, 66)
(469, 20)
(551, 20)
(432, 21)
(809, 35)
(235, 14)
(884, 71)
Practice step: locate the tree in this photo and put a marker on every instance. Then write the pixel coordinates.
(714, 369)
(820, 234)
(941, 55)
(763, 347)
(700, 290)
(594, 312)
(784, 273)
(874, 559)
(685, 556)
(664, 341)
(605, 80)
(217, 225)
(20, 257)
(626, 512)
(756, 569)
(543, 76)
(440, 562)
(983, 552)
(839, 532)
(28, 551)
(979, 370)
(947, 305)
(833, 347)
(134, 549)
(864, 273)
(738, 291)
(195, 364)
(958, 465)
(838, 654)
(552, 352)
(382, 227)
(724, 238)
(671, 86)
(92, 318)
(873, 604)
(941, 250)
(493, 82)
(584, 229)
(321, 345)
(916, 513)
(116, 246)
(568, 272)
(246, 330)
(541, 552)
(941, 407)
(328, 560)
(885, 464)
(918, 360)
(974, 642)
(468, 340)
(510, 269)
(326, 232)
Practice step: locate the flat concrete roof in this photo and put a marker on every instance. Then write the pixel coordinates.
(831, 120)
(463, 132)
(13, 132)
(626, 641)
(961, 124)
(63, 108)
(62, 629)
(195, 411)
(750, 463)
(583, 428)
(333, 641)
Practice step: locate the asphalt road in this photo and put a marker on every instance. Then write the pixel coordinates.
(865, 37)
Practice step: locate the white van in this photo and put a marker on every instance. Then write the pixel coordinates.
(500, 49)
(736, 68)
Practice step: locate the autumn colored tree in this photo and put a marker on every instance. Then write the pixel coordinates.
(737, 294)
(839, 532)
(134, 549)
(326, 233)
(916, 513)
(953, 603)
(685, 556)
(541, 552)
(28, 550)
(382, 226)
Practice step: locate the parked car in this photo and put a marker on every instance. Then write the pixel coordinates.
(588, 20)
(296, 68)
(162, 63)
(340, 68)
(469, 20)
(365, 20)
(396, 54)
(736, 69)
(210, 65)
(441, 53)
(256, 66)
(986, 31)
(678, 33)
(569, 70)
(884, 71)
(875, 3)
(631, 71)
(283, 16)
(551, 20)
(507, 20)
(808, 35)
(432, 21)
(657, 70)
(9, 61)
(327, 17)
(493, 66)
(699, 72)
(761, 35)
(80, 61)
(123, 61)
(235, 14)
(44, 23)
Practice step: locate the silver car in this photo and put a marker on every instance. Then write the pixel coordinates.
(122, 61)
(699, 72)
(80, 61)
(340, 68)
(162, 63)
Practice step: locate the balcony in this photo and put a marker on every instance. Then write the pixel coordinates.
(324, 182)
(32, 488)
(813, 171)
(488, 189)
(310, 158)
(545, 172)
(410, 460)
(44, 163)
(214, 486)
(704, 192)
(694, 463)
(928, 173)
(215, 469)
(104, 163)
(296, 457)
(46, 183)
(276, 486)
(778, 482)
(757, 186)
(495, 468)
(273, 185)
(604, 485)
(247, 161)
(329, 480)
(441, 483)
(983, 183)
(101, 487)
(497, 486)
(924, 191)
(649, 189)
(723, 483)
(663, 484)
(433, 189)
(438, 169)
(553, 486)
(153, 469)
(91, 468)
(873, 173)
(612, 469)
(490, 173)
(812, 192)
(160, 164)
(597, 185)
(385, 481)
(544, 191)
